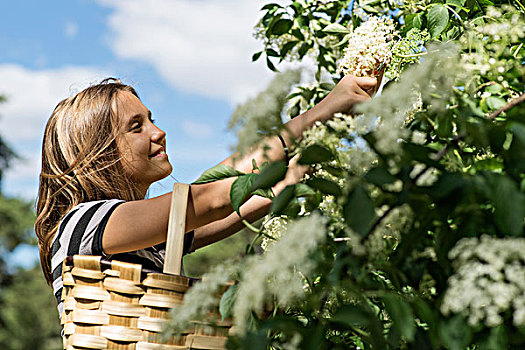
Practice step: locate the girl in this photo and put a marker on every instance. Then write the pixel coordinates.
(101, 152)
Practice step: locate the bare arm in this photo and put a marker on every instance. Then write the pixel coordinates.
(143, 223)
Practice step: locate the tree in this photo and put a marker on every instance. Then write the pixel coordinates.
(28, 315)
(409, 232)
(6, 153)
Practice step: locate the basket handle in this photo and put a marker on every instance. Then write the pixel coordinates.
(176, 229)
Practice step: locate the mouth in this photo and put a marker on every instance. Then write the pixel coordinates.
(158, 153)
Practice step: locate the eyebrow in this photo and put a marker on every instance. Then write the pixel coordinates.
(136, 117)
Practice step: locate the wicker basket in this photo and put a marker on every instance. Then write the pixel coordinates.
(119, 305)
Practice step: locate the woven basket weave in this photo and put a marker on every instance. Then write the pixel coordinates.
(119, 305)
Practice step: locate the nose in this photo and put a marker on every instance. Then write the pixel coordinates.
(158, 134)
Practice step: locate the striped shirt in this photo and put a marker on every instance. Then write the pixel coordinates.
(80, 232)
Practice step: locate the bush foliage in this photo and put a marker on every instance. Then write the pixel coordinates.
(407, 234)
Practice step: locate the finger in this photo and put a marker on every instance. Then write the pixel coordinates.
(366, 83)
(364, 94)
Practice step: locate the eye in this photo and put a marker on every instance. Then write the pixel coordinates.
(152, 120)
(136, 127)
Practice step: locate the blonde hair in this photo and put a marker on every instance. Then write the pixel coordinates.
(80, 160)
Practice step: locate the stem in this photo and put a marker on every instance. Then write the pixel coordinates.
(488, 83)
(342, 239)
(508, 106)
(457, 15)
(413, 55)
(378, 221)
(517, 50)
(445, 149)
(251, 227)
(521, 5)
(250, 246)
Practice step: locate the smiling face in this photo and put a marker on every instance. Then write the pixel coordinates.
(141, 144)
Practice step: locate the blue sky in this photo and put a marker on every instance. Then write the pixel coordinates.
(190, 61)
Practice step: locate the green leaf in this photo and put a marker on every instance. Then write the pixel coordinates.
(227, 302)
(241, 187)
(455, 333)
(256, 56)
(352, 316)
(343, 41)
(281, 26)
(336, 28)
(270, 6)
(271, 53)
(495, 102)
(303, 190)
(417, 22)
(315, 154)
(370, 9)
(359, 211)
(287, 47)
(379, 176)
(325, 186)
(401, 314)
(509, 204)
(280, 202)
(271, 65)
(437, 20)
(270, 175)
(218, 172)
(494, 88)
(254, 165)
(496, 340)
(304, 49)
(263, 192)
(458, 3)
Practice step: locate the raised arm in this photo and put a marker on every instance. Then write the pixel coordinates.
(139, 224)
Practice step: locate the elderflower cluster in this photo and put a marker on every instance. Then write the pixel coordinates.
(428, 82)
(406, 51)
(493, 46)
(262, 113)
(340, 134)
(275, 274)
(425, 177)
(201, 298)
(274, 228)
(489, 281)
(369, 48)
(390, 230)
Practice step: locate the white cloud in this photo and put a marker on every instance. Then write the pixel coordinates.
(33, 94)
(70, 29)
(203, 47)
(196, 129)
(31, 97)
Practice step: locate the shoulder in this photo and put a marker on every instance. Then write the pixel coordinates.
(93, 210)
(80, 229)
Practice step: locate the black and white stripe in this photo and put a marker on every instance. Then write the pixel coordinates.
(80, 232)
(76, 234)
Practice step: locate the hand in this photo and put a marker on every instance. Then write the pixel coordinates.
(294, 174)
(348, 92)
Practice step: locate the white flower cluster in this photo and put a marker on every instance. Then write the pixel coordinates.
(489, 280)
(275, 227)
(201, 297)
(407, 50)
(489, 44)
(369, 48)
(434, 76)
(275, 274)
(334, 135)
(389, 231)
(427, 178)
(262, 112)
